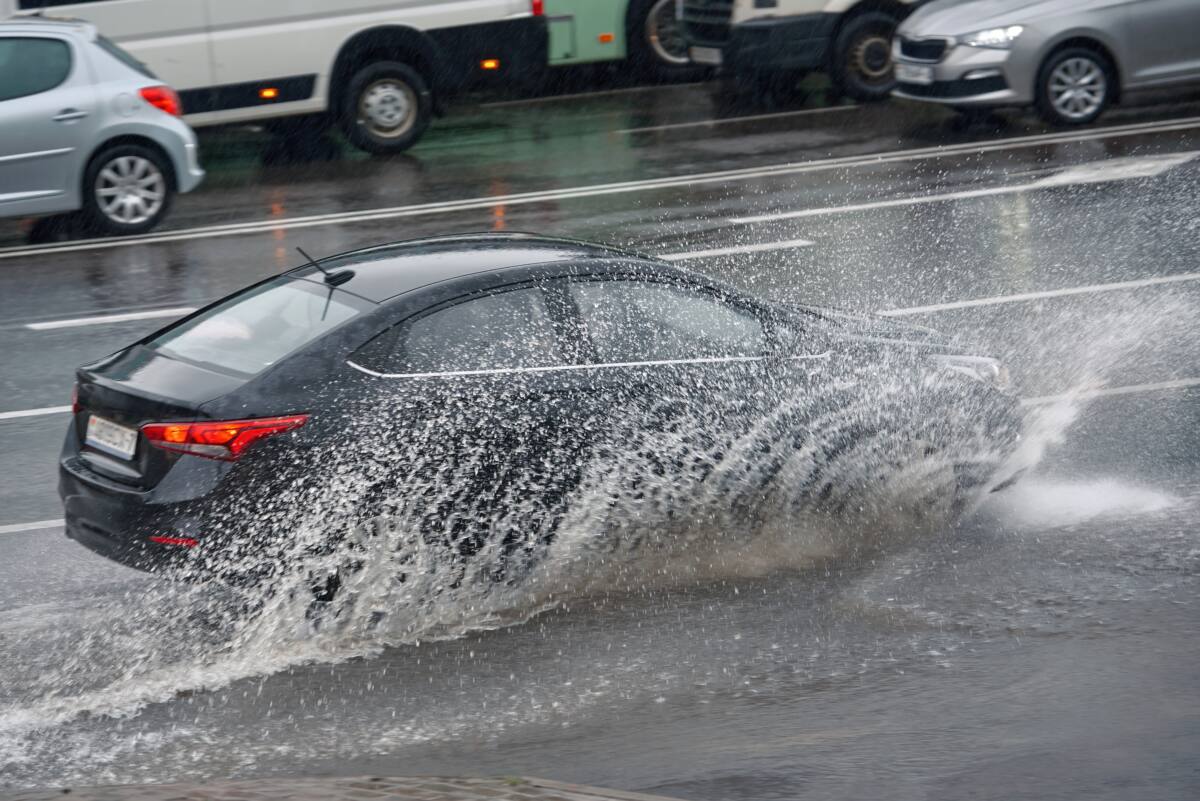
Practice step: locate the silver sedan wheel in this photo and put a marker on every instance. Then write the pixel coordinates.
(1078, 88)
(665, 35)
(388, 108)
(130, 190)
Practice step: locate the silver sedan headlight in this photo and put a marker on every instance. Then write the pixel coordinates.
(997, 38)
(982, 368)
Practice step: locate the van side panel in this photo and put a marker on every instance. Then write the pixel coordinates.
(169, 36)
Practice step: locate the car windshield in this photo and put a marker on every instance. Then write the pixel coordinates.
(255, 329)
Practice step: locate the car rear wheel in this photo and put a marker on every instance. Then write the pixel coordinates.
(655, 38)
(862, 57)
(127, 189)
(1074, 86)
(387, 108)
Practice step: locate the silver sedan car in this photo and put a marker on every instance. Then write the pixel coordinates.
(1068, 58)
(85, 127)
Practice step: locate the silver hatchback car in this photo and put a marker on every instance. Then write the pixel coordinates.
(85, 127)
(1069, 58)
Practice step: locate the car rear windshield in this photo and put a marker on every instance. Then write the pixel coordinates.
(257, 328)
(115, 50)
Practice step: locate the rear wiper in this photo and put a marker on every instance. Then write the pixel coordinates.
(333, 279)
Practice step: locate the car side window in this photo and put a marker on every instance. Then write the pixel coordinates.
(631, 321)
(29, 66)
(502, 330)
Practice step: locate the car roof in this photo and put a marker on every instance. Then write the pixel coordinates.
(29, 23)
(385, 271)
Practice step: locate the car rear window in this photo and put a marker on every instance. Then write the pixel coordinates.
(115, 50)
(257, 328)
(29, 66)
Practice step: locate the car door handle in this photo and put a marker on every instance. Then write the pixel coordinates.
(68, 114)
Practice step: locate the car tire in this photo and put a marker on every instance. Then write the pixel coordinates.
(387, 108)
(127, 190)
(1075, 85)
(654, 39)
(861, 66)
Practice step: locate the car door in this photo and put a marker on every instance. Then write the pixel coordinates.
(680, 379)
(479, 445)
(48, 108)
(1161, 37)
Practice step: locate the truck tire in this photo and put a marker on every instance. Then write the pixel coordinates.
(861, 66)
(654, 39)
(386, 108)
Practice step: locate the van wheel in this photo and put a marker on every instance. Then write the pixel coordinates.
(387, 108)
(654, 38)
(1074, 87)
(862, 57)
(127, 189)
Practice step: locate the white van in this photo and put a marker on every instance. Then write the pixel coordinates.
(377, 68)
(770, 44)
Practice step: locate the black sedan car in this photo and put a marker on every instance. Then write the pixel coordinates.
(483, 392)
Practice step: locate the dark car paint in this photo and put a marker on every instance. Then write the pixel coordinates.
(114, 514)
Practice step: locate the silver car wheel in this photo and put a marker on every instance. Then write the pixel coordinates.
(1078, 88)
(130, 190)
(665, 35)
(388, 108)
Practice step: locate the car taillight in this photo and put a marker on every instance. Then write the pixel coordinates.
(538, 7)
(163, 98)
(76, 406)
(220, 439)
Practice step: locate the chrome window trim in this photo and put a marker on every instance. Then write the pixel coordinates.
(566, 367)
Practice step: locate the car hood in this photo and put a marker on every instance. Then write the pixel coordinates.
(957, 17)
(854, 325)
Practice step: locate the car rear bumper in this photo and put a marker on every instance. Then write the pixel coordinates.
(798, 42)
(520, 48)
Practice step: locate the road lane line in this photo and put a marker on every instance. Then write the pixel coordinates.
(17, 528)
(758, 248)
(728, 120)
(1108, 392)
(1117, 286)
(1119, 169)
(596, 190)
(76, 322)
(34, 412)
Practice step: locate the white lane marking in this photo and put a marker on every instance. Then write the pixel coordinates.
(758, 248)
(1117, 286)
(577, 95)
(17, 528)
(75, 322)
(727, 120)
(34, 412)
(1118, 169)
(595, 190)
(1108, 392)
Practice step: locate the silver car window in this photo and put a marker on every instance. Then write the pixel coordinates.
(29, 66)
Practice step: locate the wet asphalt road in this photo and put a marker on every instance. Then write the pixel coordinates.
(1047, 647)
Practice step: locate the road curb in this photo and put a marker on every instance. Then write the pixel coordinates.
(353, 788)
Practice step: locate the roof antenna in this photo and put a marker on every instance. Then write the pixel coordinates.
(333, 279)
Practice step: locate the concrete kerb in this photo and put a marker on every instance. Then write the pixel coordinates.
(356, 788)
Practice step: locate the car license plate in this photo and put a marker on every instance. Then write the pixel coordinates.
(912, 73)
(706, 55)
(111, 438)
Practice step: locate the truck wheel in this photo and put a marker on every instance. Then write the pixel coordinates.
(127, 189)
(862, 57)
(1074, 86)
(387, 108)
(654, 38)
